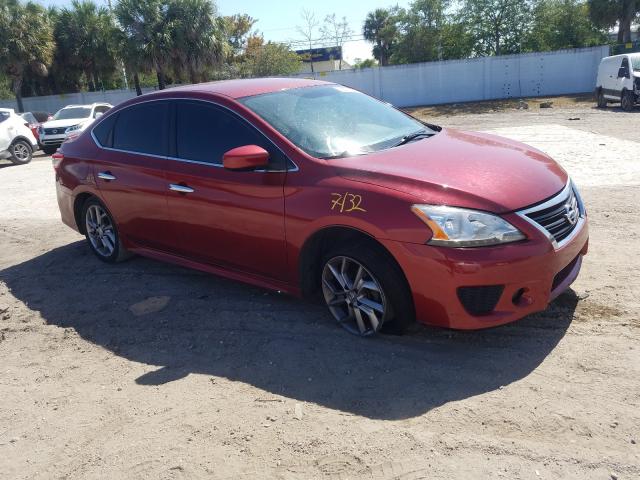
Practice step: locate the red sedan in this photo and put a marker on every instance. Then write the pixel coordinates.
(318, 190)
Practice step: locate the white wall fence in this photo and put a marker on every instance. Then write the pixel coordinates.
(488, 78)
(511, 76)
(53, 103)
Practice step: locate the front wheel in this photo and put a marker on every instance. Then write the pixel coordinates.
(627, 100)
(366, 291)
(21, 152)
(102, 233)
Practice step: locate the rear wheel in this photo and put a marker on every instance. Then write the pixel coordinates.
(49, 150)
(602, 102)
(21, 152)
(102, 233)
(627, 101)
(366, 291)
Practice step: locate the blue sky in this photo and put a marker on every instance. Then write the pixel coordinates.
(277, 20)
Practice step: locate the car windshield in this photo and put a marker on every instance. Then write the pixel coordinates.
(72, 112)
(635, 63)
(334, 121)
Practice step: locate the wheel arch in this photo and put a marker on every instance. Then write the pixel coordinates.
(78, 203)
(323, 240)
(24, 139)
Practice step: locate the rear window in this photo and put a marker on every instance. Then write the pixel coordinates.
(4, 116)
(142, 128)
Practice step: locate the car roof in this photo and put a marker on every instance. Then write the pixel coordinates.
(8, 110)
(249, 87)
(622, 55)
(85, 105)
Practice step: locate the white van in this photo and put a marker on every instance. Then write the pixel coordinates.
(619, 80)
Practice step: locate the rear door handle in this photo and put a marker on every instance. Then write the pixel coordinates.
(106, 176)
(180, 188)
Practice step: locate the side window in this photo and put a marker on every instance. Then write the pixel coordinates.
(142, 128)
(624, 68)
(205, 132)
(100, 109)
(103, 131)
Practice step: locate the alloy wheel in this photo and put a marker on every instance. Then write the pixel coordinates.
(354, 296)
(100, 231)
(21, 152)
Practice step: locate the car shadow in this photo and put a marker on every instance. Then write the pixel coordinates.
(276, 343)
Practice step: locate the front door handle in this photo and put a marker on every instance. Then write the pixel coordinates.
(180, 188)
(106, 176)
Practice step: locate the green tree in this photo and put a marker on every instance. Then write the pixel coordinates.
(196, 39)
(421, 28)
(26, 41)
(236, 30)
(608, 13)
(269, 59)
(149, 33)
(380, 28)
(366, 63)
(561, 24)
(497, 27)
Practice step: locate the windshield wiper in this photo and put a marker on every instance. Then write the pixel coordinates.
(413, 136)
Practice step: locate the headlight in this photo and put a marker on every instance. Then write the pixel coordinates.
(74, 128)
(461, 227)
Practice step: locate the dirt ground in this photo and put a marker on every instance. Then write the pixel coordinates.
(147, 370)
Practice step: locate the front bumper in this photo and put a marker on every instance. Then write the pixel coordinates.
(52, 140)
(532, 273)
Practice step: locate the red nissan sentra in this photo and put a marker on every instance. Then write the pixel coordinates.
(316, 189)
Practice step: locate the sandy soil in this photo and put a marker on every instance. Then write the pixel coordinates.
(146, 370)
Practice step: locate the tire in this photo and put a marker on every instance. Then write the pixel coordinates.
(21, 152)
(602, 102)
(392, 306)
(49, 150)
(627, 100)
(101, 232)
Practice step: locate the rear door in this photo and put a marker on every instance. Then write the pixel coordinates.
(233, 219)
(130, 172)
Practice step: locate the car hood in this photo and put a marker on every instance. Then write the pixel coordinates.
(472, 170)
(64, 123)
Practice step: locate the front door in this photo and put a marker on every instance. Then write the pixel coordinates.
(233, 219)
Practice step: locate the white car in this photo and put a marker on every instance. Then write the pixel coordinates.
(72, 118)
(619, 80)
(17, 142)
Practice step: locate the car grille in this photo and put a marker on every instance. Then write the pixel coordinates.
(561, 217)
(54, 131)
(480, 300)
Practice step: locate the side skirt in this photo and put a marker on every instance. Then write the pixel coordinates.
(239, 276)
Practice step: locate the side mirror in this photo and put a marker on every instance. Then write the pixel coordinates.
(247, 157)
(98, 115)
(622, 72)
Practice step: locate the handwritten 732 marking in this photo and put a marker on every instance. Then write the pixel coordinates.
(346, 202)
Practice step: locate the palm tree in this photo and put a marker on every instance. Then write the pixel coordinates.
(196, 40)
(26, 40)
(380, 28)
(148, 30)
(86, 34)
